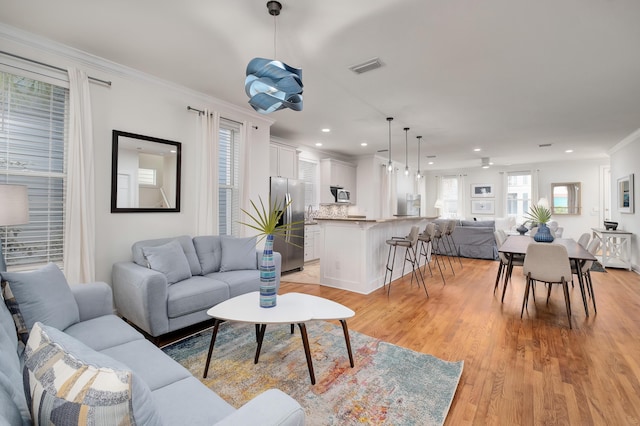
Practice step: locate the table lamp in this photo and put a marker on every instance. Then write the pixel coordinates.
(14, 210)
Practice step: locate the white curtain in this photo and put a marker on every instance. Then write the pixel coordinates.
(79, 227)
(462, 207)
(207, 179)
(243, 187)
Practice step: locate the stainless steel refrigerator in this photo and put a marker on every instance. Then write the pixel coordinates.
(291, 245)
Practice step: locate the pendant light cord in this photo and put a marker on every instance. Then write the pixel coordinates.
(275, 35)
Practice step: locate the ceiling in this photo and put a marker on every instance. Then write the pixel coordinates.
(505, 76)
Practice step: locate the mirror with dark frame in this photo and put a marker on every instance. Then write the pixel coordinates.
(565, 198)
(145, 174)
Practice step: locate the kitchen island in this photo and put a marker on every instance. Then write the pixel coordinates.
(354, 253)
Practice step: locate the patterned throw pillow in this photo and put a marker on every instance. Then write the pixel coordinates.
(68, 383)
(14, 309)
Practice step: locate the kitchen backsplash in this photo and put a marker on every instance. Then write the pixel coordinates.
(333, 211)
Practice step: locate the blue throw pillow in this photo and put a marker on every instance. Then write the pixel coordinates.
(238, 254)
(42, 295)
(170, 260)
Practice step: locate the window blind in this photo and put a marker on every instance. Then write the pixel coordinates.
(33, 129)
(229, 177)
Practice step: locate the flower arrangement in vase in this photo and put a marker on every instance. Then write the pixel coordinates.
(265, 221)
(540, 215)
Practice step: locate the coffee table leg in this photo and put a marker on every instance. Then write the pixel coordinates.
(307, 352)
(347, 340)
(216, 325)
(260, 336)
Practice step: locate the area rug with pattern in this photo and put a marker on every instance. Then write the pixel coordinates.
(388, 385)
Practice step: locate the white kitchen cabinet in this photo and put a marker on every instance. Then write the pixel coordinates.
(336, 173)
(311, 242)
(283, 161)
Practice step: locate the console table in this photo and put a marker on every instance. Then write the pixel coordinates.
(616, 247)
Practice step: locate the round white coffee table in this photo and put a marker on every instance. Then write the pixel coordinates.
(291, 308)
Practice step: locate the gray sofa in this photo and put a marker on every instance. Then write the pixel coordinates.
(474, 239)
(73, 336)
(161, 290)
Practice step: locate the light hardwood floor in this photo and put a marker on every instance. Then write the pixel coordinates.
(529, 371)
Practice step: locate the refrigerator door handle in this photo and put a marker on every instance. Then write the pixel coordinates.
(288, 217)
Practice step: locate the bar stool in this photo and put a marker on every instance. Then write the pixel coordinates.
(426, 248)
(440, 243)
(451, 226)
(410, 243)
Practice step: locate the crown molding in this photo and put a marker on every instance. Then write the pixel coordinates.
(67, 53)
(633, 137)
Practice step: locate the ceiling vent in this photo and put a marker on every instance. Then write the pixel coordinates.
(369, 65)
(544, 145)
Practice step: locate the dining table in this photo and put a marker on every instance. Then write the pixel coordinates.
(516, 245)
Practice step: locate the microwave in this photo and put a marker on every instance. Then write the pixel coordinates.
(343, 196)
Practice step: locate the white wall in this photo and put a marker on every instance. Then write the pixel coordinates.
(586, 172)
(139, 103)
(624, 161)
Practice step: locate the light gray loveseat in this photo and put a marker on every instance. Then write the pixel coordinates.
(78, 322)
(473, 239)
(164, 289)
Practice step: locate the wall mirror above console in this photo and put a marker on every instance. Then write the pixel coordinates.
(145, 174)
(565, 198)
(625, 194)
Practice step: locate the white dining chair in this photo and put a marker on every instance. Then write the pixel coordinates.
(547, 263)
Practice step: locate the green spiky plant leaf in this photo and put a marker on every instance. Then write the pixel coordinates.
(265, 221)
(538, 214)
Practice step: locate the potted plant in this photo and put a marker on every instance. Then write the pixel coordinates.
(539, 215)
(265, 221)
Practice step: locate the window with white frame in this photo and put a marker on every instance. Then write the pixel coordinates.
(307, 172)
(229, 178)
(518, 195)
(449, 191)
(33, 133)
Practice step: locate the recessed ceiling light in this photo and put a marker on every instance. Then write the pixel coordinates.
(326, 130)
(569, 151)
(430, 163)
(364, 144)
(318, 143)
(477, 149)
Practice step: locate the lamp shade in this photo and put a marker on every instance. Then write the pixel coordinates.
(14, 204)
(543, 202)
(273, 85)
(438, 204)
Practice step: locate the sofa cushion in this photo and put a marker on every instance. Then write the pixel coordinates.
(42, 295)
(11, 377)
(70, 383)
(239, 282)
(195, 294)
(189, 402)
(209, 250)
(104, 332)
(187, 247)
(169, 259)
(149, 363)
(10, 412)
(478, 223)
(238, 254)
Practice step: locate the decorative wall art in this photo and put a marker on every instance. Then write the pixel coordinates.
(482, 206)
(484, 190)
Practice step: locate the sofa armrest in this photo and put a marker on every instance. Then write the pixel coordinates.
(277, 260)
(141, 295)
(272, 407)
(94, 300)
